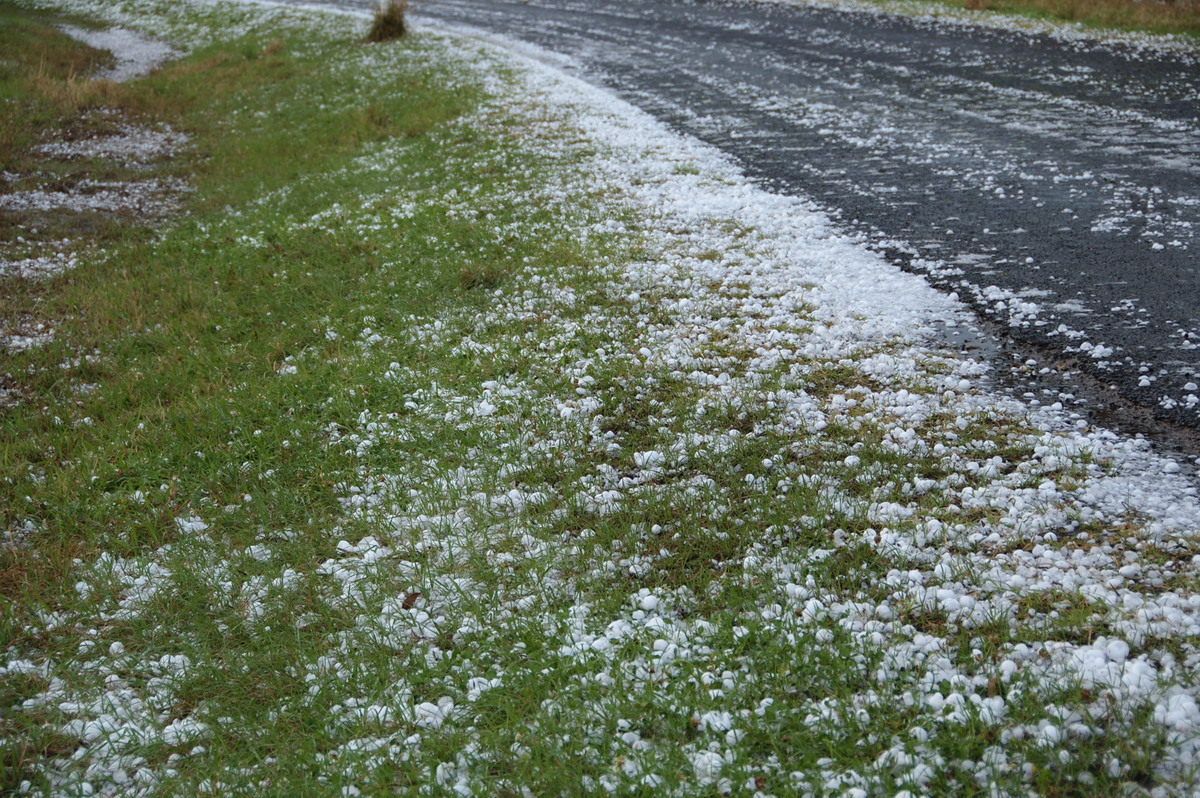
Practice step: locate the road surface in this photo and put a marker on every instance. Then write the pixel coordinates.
(1053, 183)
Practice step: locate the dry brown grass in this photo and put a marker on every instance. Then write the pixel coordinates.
(72, 95)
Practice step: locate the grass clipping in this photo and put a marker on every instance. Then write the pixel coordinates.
(389, 22)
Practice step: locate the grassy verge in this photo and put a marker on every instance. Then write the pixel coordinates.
(1178, 17)
(413, 459)
(166, 386)
(1171, 16)
(158, 334)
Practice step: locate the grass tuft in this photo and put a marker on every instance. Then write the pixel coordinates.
(389, 22)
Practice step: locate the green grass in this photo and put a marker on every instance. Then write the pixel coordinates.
(160, 328)
(366, 429)
(160, 392)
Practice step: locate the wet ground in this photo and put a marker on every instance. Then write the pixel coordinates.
(1052, 183)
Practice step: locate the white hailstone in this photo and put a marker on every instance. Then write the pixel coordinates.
(192, 524)
(1178, 712)
(649, 460)
(717, 721)
(431, 716)
(1048, 734)
(707, 766)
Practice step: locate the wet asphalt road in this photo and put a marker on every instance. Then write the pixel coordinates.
(1054, 184)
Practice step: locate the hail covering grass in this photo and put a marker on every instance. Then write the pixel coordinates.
(708, 514)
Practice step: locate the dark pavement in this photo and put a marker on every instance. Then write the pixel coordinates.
(1053, 183)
